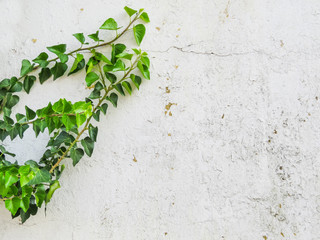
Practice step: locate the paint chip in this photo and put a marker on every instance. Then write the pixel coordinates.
(158, 28)
(34, 40)
(169, 134)
(222, 116)
(134, 159)
(167, 90)
(176, 66)
(265, 237)
(166, 233)
(168, 106)
(281, 43)
(282, 234)
(170, 114)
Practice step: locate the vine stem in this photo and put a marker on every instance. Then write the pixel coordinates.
(107, 90)
(4, 199)
(52, 115)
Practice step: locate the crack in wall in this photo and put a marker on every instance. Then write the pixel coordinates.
(182, 49)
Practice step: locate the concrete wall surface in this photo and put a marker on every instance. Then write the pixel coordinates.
(223, 142)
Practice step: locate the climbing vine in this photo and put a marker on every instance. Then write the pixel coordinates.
(25, 188)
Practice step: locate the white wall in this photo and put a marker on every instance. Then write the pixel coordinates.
(242, 161)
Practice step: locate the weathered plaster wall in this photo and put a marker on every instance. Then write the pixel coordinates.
(238, 158)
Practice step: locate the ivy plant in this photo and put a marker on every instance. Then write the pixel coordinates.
(71, 126)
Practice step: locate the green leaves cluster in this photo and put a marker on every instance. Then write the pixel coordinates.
(25, 188)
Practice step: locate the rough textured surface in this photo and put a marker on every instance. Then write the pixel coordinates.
(236, 156)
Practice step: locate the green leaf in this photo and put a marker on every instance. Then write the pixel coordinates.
(125, 56)
(146, 61)
(93, 132)
(7, 111)
(111, 77)
(25, 179)
(95, 94)
(24, 203)
(24, 215)
(21, 118)
(63, 137)
(13, 205)
(40, 194)
(113, 98)
(119, 88)
(15, 85)
(12, 100)
(136, 80)
(41, 176)
(33, 164)
(26, 191)
(62, 106)
(139, 31)
(52, 189)
(5, 83)
(109, 24)
(22, 129)
(80, 119)
(28, 83)
(24, 170)
(26, 67)
(58, 49)
(88, 145)
(81, 106)
(14, 132)
(68, 121)
(127, 86)
(130, 11)
(96, 115)
(76, 154)
(79, 57)
(91, 78)
(138, 52)
(44, 75)
(117, 49)
(77, 66)
(144, 16)
(63, 57)
(104, 108)
(95, 36)
(30, 114)
(58, 70)
(80, 37)
(36, 126)
(98, 86)
(119, 66)
(100, 56)
(10, 179)
(144, 70)
(42, 59)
